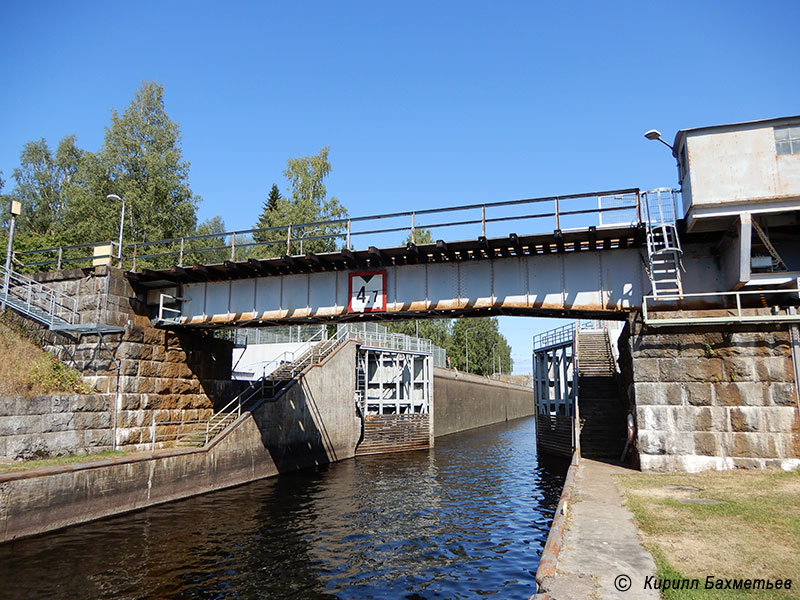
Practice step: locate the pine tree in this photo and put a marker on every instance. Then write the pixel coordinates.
(268, 217)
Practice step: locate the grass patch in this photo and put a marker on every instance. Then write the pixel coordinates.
(59, 460)
(753, 533)
(26, 370)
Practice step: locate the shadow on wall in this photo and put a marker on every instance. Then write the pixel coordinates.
(293, 429)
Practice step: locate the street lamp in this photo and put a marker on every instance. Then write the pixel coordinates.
(493, 363)
(655, 134)
(121, 225)
(16, 210)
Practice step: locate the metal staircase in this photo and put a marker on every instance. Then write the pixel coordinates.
(279, 373)
(51, 308)
(37, 301)
(663, 246)
(602, 415)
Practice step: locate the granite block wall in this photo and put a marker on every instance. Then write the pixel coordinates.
(55, 425)
(713, 398)
(153, 374)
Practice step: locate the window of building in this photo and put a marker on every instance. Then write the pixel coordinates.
(787, 139)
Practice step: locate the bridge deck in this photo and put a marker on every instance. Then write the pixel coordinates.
(572, 241)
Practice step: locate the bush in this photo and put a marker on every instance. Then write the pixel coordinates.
(48, 375)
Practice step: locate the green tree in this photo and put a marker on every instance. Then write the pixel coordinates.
(207, 250)
(482, 335)
(44, 184)
(421, 236)
(307, 202)
(141, 161)
(270, 217)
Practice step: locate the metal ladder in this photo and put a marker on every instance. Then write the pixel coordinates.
(663, 246)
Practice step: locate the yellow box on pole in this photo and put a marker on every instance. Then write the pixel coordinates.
(102, 255)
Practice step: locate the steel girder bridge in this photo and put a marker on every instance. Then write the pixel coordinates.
(596, 259)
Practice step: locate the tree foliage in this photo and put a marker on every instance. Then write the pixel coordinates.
(270, 217)
(63, 194)
(489, 351)
(140, 161)
(482, 335)
(307, 202)
(421, 236)
(44, 184)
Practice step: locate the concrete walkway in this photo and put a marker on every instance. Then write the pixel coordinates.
(601, 544)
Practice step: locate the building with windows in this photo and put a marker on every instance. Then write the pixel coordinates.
(744, 179)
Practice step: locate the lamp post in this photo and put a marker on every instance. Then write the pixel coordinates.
(655, 134)
(493, 363)
(121, 225)
(16, 210)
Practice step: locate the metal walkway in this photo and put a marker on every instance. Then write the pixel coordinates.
(47, 306)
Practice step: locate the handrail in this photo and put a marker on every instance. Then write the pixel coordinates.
(60, 260)
(288, 356)
(559, 336)
(257, 387)
(555, 209)
(162, 308)
(738, 317)
(37, 300)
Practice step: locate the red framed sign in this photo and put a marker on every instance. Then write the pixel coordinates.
(367, 291)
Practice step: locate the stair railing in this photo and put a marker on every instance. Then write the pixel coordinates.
(219, 420)
(35, 300)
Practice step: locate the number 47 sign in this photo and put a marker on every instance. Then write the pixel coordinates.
(367, 292)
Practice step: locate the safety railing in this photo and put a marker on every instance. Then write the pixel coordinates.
(466, 221)
(559, 212)
(554, 337)
(713, 308)
(391, 341)
(36, 300)
(103, 253)
(163, 300)
(191, 431)
(267, 366)
(266, 387)
(272, 335)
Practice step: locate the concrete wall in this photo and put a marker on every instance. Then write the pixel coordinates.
(55, 425)
(313, 422)
(713, 398)
(462, 401)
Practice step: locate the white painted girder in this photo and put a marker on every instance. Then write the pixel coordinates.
(590, 281)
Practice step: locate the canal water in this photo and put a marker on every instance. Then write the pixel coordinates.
(468, 519)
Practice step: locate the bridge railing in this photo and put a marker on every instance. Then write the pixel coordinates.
(468, 221)
(64, 257)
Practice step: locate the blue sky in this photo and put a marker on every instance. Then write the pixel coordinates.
(423, 104)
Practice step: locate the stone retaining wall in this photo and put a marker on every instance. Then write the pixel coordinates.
(163, 375)
(714, 398)
(311, 423)
(55, 425)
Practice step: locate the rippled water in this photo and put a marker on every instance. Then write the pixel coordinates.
(465, 520)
